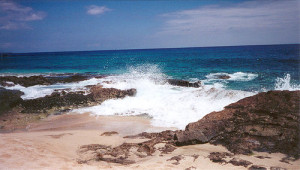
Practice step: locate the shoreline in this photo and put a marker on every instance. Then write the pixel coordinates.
(43, 147)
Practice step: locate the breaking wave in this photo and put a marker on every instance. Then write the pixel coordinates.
(167, 105)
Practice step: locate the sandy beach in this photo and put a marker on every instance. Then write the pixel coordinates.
(54, 143)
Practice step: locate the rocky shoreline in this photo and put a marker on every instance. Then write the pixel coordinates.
(266, 122)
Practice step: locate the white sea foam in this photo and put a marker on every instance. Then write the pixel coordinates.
(285, 84)
(238, 76)
(37, 91)
(168, 105)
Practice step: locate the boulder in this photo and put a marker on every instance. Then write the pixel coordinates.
(183, 83)
(268, 121)
(100, 94)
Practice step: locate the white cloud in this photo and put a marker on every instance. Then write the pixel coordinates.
(252, 19)
(97, 10)
(14, 16)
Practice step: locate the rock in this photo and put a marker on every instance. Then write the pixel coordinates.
(224, 77)
(268, 121)
(109, 133)
(9, 99)
(65, 78)
(219, 156)
(41, 80)
(240, 162)
(26, 81)
(177, 159)
(277, 168)
(60, 101)
(56, 101)
(256, 167)
(183, 83)
(122, 154)
(100, 94)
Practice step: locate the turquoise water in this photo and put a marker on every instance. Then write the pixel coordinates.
(255, 67)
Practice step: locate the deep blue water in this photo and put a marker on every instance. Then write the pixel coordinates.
(268, 62)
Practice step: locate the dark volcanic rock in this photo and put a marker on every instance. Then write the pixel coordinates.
(184, 83)
(268, 121)
(55, 100)
(223, 77)
(100, 94)
(256, 167)
(41, 80)
(63, 100)
(219, 156)
(68, 78)
(240, 162)
(26, 81)
(9, 99)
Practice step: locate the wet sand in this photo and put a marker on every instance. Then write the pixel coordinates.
(53, 143)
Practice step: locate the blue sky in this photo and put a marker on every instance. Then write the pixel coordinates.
(75, 25)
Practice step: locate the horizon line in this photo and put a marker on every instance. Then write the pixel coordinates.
(129, 49)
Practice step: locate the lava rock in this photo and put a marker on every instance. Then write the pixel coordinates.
(9, 99)
(183, 83)
(268, 122)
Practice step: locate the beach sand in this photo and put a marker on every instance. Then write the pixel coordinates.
(54, 142)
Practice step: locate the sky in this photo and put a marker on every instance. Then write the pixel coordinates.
(82, 25)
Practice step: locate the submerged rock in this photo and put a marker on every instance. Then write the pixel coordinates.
(224, 77)
(184, 83)
(268, 121)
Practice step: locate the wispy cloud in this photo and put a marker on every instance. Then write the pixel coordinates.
(97, 10)
(238, 19)
(14, 16)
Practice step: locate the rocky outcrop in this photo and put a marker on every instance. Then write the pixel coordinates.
(41, 80)
(9, 99)
(268, 121)
(25, 81)
(183, 83)
(66, 101)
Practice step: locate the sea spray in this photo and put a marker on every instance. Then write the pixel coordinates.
(285, 84)
(167, 105)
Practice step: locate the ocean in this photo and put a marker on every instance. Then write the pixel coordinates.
(248, 69)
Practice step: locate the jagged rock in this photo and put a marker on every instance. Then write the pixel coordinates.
(41, 80)
(100, 94)
(121, 154)
(256, 167)
(9, 99)
(55, 101)
(177, 159)
(268, 121)
(26, 81)
(240, 162)
(219, 156)
(183, 83)
(63, 100)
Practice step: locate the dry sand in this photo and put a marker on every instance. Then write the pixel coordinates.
(53, 143)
